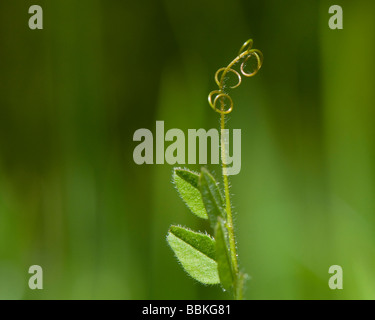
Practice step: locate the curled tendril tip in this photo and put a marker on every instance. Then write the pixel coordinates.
(245, 54)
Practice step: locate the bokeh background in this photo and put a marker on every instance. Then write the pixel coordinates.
(71, 96)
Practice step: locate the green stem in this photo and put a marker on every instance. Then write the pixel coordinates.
(229, 224)
(245, 53)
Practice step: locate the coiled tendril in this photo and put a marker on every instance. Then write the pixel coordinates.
(245, 54)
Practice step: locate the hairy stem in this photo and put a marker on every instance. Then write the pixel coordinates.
(220, 95)
(229, 224)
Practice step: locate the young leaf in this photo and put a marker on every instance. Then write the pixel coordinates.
(186, 183)
(223, 256)
(196, 253)
(212, 198)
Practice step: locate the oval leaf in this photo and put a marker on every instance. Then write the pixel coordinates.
(196, 253)
(211, 196)
(186, 183)
(224, 265)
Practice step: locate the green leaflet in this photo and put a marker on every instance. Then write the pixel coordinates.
(212, 198)
(223, 256)
(186, 183)
(196, 253)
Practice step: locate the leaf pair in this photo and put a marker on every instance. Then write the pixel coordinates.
(204, 258)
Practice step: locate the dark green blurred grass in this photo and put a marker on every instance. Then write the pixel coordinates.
(71, 96)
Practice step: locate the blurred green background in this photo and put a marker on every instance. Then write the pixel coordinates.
(73, 201)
